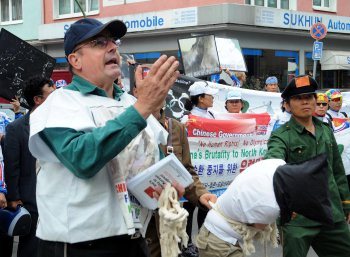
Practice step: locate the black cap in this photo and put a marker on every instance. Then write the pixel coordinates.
(303, 188)
(303, 84)
(87, 28)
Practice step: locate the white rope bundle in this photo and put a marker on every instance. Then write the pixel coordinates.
(172, 223)
(248, 233)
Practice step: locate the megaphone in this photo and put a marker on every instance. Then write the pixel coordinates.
(15, 222)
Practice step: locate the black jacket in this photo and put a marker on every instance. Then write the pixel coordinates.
(19, 164)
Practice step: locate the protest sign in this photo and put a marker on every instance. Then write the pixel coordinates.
(230, 54)
(18, 62)
(259, 101)
(127, 71)
(221, 149)
(199, 56)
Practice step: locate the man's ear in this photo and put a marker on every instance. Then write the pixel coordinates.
(287, 107)
(37, 100)
(75, 60)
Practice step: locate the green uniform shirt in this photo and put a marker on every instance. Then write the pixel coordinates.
(293, 143)
(70, 146)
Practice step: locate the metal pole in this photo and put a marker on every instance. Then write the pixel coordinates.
(314, 69)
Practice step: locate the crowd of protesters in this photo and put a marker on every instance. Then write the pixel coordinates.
(67, 160)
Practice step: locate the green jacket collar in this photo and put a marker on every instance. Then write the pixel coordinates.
(300, 128)
(85, 87)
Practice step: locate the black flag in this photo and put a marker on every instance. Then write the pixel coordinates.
(19, 61)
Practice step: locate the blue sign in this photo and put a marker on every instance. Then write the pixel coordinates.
(317, 50)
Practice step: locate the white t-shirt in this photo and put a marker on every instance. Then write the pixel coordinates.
(249, 199)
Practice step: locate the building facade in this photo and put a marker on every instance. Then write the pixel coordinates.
(274, 34)
(22, 18)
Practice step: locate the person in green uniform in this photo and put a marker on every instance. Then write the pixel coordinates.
(298, 140)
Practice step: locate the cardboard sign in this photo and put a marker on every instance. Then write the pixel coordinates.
(18, 62)
(199, 56)
(230, 54)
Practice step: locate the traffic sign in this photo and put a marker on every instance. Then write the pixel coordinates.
(317, 50)
(318, 31)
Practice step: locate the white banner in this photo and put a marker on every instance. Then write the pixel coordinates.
(218, 155)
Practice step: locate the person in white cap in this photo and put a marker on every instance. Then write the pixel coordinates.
(234, 102)
(201, 98)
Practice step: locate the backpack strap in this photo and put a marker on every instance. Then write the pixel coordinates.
(344, 113)
(329, 116)
(170, 148)
(211, 114)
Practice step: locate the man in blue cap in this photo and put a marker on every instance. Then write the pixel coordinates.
(296, 141)
(89, 137)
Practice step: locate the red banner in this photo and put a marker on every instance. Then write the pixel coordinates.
(234, 123)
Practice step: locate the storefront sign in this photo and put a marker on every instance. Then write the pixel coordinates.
(335, 60)
(136, 22)
(271, 17)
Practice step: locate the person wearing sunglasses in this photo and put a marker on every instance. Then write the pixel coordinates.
(89, 138)
(335, 103)
(321, 108)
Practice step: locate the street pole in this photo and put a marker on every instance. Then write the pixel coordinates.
(314, 69)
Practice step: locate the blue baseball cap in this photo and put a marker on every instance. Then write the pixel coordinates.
(86, 28)
(271, 80)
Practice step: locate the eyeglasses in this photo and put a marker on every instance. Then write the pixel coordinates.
(100, 42)
(323, 104)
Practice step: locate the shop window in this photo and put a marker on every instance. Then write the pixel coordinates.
(262, 63)
(69, 8)
(11, 11)
(325, 5)
(280, 4)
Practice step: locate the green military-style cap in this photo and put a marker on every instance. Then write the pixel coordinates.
(303, 84)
